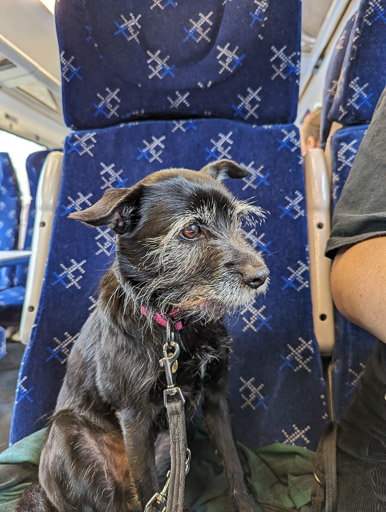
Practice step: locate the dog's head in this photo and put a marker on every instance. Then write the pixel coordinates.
(180, 242)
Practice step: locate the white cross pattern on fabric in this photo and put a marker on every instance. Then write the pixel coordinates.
(105, 241)
(293, 207)
(23, 391)
(106, 104)
(251, 236)
(255, 315)
(284, 65)
(254, 393)
(360, 97)
(291, 140)
(221, 147)
(158, 3)
(161, 68)
(179, 99)
(62, 348)
(296, 354)
(110, 176)
(254, 175)
(132, 25)
(152, 150)
(248, 104)
(346, 154)
(197, 32)
(80, 203)
(83, 145)
(296, 434)
(259, 14)
(69, 274)
(296, 279)
(68, 69)
(376, 7)
(231, 61)
(257, 241)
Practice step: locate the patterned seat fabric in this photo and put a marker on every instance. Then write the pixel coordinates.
(34, 166)
(361, 81)
(172, 58)
(9, 216)
(277, 391)
(362, 76)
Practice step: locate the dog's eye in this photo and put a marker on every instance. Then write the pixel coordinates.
(191, 232)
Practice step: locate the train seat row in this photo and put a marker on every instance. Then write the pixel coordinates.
(140, 97)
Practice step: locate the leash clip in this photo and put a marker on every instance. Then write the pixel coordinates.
(171, 352)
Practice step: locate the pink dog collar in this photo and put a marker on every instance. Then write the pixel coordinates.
(161, 320)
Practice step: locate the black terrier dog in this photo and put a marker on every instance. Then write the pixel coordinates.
(181, 256)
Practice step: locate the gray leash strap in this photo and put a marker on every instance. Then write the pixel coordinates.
(171, 498)
(178, 447)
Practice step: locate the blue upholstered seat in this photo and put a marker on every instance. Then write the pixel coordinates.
(277, 391)
(9, 215)
(362, 78)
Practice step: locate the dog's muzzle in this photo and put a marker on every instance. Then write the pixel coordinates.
(258, 279)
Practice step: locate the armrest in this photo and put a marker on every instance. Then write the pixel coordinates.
(318, 216)
(9, 258)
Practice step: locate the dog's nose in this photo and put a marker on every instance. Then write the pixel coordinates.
(258, 279)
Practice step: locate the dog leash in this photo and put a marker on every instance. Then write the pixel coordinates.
(171, 498)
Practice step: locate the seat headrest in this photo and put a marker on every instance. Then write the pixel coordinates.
(34, 164)
(363, 74)
(128, 60)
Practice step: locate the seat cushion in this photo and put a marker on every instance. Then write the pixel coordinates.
(168, 58)
(277, 390)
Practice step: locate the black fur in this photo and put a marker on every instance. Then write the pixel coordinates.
(106, 449)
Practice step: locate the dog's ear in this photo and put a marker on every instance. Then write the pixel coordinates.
(220, 169)
(115, 209)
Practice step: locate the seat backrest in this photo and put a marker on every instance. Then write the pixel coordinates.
(34, 165)
(174, 59)
(275, 356)
(9, 215)
(362, 76)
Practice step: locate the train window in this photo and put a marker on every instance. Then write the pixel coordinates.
(18, 149)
